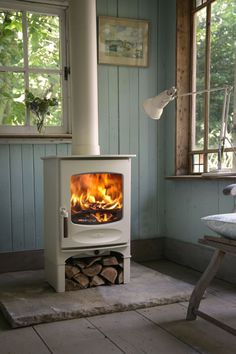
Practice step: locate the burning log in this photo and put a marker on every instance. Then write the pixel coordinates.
(96, 198)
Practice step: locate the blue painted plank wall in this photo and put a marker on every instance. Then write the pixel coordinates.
(123, 128)
(21, 191)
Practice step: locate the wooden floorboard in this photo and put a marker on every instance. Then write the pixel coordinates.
(157, 330)
(134, 334)
(199, 334)
(77, 336)
(21, 341)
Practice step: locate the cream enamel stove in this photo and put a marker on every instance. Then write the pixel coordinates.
(87, 195)
(87, 211)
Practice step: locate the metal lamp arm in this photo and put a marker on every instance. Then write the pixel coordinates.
(224, 121)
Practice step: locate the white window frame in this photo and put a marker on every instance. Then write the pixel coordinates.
(60, 11)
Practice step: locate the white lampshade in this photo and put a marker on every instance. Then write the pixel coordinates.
(154, 106)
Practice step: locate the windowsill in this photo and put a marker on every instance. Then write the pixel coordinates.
(35, 138)
(200, 177)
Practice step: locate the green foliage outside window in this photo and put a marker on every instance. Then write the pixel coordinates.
(222, 66)
(29, 60)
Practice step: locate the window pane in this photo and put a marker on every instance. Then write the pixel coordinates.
(12, 106)
(212, 161)
(11, 38)
(43, 32)
(198, 163)
(198, 3)
(43, 85)
(226, 162)
(216, 104)
(223, 35)
(198, 80)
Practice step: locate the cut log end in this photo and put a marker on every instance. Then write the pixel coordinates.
(82, 273)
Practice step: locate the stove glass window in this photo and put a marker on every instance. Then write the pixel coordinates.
(96, 198)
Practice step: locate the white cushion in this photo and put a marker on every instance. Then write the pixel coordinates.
(222, 224)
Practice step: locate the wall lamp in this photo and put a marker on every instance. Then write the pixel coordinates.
(154, 108)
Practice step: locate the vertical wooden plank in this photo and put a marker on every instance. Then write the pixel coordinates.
(5, 205)
(148, 131)
(182, 81)
(39, 151)
(187, 202)
(128, 9)
(113, 96)
(62, 149)
(103, 94)
(129, 136)
(69, 149)
(102, 7)
(134, 149)
(107, 7)
(177, 208)
(108, 93)
(128, 119)
(124, 110)
(166, 57)
(227, 203)
(50, 149)
(203, 201)
(17, 205)
(28, 195)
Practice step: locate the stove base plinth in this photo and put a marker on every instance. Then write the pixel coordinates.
(55, 272)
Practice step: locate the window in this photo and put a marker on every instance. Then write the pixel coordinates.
(206, 37)
(32, 59)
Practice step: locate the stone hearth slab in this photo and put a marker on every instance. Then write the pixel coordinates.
(26, 298)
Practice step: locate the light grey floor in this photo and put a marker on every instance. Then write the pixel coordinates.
(160, 329)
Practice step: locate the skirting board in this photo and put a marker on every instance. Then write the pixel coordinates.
(147, 250)
(18, 261)
(191, 255)
(141, 251)
(197, 257)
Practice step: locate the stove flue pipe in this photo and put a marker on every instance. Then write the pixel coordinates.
(84, 88)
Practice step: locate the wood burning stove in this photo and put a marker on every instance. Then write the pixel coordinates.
(87, 195)
(86, 211)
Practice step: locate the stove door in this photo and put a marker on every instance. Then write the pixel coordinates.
(94, 203)
(96, 198)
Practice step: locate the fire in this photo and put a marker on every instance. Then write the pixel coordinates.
(96, 197)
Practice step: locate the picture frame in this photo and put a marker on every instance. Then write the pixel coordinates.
(123, 41)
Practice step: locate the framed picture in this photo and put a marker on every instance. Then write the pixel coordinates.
(123, 41)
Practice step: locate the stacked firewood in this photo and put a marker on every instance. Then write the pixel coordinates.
(82, 273)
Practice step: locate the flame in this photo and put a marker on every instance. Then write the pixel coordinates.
(97, 193)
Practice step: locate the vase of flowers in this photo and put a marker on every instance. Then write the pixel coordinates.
(40, 107)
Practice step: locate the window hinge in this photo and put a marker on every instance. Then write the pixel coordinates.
(66, 72)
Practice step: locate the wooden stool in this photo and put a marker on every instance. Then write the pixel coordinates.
(222, 246)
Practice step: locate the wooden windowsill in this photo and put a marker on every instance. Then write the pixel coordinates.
(200, 177)
(35, 138)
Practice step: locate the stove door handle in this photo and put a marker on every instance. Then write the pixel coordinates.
(64, 215)
(65, 227)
